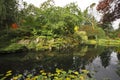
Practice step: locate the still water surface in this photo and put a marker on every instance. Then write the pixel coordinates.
(102, 62)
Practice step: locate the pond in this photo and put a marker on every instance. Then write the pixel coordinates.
(102, 62)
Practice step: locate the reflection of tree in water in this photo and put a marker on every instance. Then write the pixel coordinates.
(118, 56)
(78, 63)
(105, 57)
(61, 61)
(49, 61)
(85, 55)
(118, 68)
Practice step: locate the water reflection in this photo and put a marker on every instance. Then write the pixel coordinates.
(103, 71)
(94, 58)
(105, 57)
(118, 56)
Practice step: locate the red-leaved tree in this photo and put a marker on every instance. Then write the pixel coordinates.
(110, 10)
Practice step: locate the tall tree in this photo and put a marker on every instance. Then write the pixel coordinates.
(110, 10)
(8, 12)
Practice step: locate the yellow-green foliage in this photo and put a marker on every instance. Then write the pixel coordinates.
(58, 75)
(82, 35)
(76, 28)
(90, 31)
(109, 42)
(82, 51)
(7, 74)
(12, 47)
(91, 42)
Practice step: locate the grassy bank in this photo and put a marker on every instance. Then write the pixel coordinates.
(12, 44)
(48, 43)
(104, 42)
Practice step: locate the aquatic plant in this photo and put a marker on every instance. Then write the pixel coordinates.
(58, 75)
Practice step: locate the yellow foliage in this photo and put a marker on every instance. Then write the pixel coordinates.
(45, 77)
(59, 75)
(35, 78)
(44, 74)
(67, 78)
(9, 71)
(82, 78)
(15, 78)
(76, 73)
(85, 71)
(58, 71)
(56, 78)
(27, 79)
(41, 71)
(8, 74)
(91, 42)
(71, 76)
(76, 28)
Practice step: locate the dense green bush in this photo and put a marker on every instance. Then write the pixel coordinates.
(54, 19)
